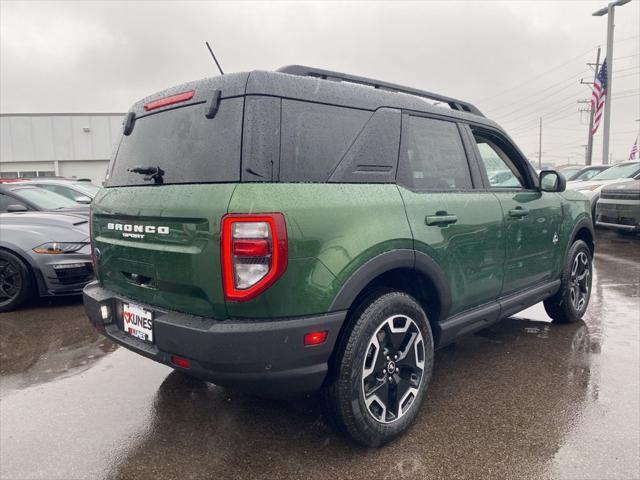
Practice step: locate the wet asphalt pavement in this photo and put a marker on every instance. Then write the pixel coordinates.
(523, 399)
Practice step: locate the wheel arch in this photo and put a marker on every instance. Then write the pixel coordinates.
(583, 230)
(406, 270)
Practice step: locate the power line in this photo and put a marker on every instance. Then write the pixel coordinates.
(537, 108)
(553, 69)
(572, 77)
(538, 76)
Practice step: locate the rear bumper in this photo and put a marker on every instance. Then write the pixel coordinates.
(266, 357)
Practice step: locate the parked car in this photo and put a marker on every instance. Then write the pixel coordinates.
(619, 207)
(78, 191)
(42, 254)
(21, 197)
(621, 172)
(318, 233)
(587, 173)
(569, 170)
(580, 172)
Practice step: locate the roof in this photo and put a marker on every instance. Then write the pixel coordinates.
(320, 86)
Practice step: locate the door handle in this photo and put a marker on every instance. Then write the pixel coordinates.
(518, 212)
(441, 218)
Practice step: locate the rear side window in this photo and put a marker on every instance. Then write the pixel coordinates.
(432, 156)
(315, 138)
(189, 147)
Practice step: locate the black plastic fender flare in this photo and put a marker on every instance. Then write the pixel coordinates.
(392, 260)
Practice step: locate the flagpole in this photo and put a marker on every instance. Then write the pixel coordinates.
(609, 12)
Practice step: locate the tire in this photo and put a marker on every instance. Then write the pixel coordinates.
(571, 301)
(389, 322)
(16, 286)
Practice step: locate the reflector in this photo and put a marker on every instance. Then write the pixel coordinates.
(315, 338)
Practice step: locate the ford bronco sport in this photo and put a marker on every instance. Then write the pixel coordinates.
(299, 230)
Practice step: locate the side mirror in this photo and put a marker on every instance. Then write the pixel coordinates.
(82, 199)
(552, 181)
(16, 207)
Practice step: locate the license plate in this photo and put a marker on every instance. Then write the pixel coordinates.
(137, 322)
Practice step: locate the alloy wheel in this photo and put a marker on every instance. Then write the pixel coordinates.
(10, 281)
(393, 368)
(580, 281)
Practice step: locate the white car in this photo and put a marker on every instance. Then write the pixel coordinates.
(621, 172)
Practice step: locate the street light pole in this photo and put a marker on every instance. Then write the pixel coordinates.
(609, 10)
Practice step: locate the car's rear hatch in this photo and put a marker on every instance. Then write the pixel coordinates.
(158, 240)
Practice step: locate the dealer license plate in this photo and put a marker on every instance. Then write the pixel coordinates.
(137, 322)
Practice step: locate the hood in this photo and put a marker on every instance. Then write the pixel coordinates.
(623, 187)
(43, 227)
(595, 185)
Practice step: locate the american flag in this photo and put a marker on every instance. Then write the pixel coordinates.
(598, 96)
(634, 150)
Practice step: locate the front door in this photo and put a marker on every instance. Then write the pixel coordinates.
(532, 218)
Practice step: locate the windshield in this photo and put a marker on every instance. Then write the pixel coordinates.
(570, 172)
(588, 174)
(88, 188)
(44, 199)
(625, 170)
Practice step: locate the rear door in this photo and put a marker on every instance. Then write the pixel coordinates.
(452, 221)
(532, 218)
(158, 241)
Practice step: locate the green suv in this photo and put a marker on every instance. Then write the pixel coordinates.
(300, 230)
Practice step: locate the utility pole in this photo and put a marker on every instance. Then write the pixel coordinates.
(540, 147)
(589, 151)
(609, 10)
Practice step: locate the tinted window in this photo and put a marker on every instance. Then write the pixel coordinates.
(189, 147)
(433, 157)
(315, 138)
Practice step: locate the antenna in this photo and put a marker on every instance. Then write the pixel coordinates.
(214, 57)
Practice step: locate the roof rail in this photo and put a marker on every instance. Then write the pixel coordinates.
(303, 71)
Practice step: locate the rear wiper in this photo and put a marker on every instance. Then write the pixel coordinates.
(150, 173)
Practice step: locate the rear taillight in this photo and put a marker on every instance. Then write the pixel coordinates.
(253, 253)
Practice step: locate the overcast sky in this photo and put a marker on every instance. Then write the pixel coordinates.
(515, 60)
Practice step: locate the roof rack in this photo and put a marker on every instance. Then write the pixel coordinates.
(303, 71)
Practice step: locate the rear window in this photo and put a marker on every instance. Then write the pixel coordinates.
(189, 147)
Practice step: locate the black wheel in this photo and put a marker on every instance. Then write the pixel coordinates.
(571, 301)
(15, 282)
(382, 369)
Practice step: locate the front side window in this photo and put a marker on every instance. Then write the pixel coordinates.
(501, 167)
(433, 157)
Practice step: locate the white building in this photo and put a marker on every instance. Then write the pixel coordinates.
(62, 144)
